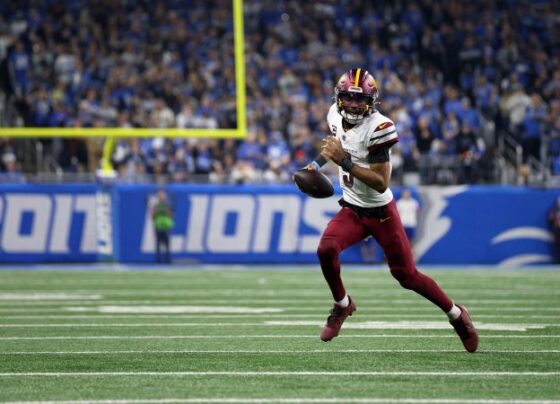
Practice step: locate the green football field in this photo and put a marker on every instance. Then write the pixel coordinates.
(235, 335)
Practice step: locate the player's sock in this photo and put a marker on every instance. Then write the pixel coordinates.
(454, 313)
(345, 302)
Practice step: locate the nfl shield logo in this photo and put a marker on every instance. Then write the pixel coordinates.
(343, 137)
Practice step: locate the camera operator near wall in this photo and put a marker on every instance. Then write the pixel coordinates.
(162, 216)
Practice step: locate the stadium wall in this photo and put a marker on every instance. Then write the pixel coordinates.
(261, 224)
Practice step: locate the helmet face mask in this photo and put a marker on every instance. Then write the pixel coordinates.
(355, 95)
(354, 106)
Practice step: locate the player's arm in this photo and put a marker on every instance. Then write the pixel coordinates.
(316, 164)
(376, 176)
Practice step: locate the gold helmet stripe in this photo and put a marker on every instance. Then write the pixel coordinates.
(357, 78)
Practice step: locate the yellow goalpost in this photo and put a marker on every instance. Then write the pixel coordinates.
(112, 134)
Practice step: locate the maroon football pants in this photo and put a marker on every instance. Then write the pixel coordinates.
(347, 228)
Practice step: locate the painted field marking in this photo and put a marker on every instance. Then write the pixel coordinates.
(367, 325)
(252, 315)
(266, 352)
(330, 400)
(269, 336)
(48, 296)
(113, 298)
(179, 309)
(413, 325)
(272, 300)
(282, 373)
(132, 325)
(143, 306)
(31, 310)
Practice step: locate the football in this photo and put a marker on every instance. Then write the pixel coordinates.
(313, 183)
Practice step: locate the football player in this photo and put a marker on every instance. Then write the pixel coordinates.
(359, 145)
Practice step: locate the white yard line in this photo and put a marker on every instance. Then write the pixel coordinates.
(120, 325)
(42, 296)
(241, 315)
(97, 306)
(117, 337)
(386, 304)
(282, 373)
(165, 296)
(370, 325)
(31, 310)
(266, 352)
(331, 400)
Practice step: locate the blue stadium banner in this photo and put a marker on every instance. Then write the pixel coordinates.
(48, 223)
(227, 224)
(485, 225)
(261, 224)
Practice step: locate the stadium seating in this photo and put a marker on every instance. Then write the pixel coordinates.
(473, 88)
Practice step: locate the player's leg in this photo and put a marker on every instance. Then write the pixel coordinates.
(344, 230)
(390, 234)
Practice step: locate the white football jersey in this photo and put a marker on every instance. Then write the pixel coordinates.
(373, 131)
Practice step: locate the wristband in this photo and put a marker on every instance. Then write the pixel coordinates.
(347, 164)
(316, 165)
(320, 160)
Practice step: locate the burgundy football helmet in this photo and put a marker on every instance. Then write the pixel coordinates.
(355, 95)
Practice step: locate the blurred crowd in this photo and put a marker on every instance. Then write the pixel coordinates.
(456, 77)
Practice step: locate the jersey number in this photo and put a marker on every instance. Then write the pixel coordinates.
(348, 178)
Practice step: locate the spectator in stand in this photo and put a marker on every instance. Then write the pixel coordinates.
(424, 136)
(514, 106)
(203, 160)
(450, 129)
(251, 151)
(469, 148)
(19, 66)
(10, 171)
(533, 126)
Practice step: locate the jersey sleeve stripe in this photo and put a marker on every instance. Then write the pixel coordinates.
(388, 143)
(373, 139)
(383, 126)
